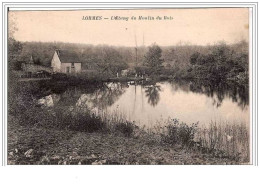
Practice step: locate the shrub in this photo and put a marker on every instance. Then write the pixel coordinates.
(180, 133)
(79, 121)
(125, 128)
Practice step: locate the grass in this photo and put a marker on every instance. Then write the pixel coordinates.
(229, 140)
(225, 139)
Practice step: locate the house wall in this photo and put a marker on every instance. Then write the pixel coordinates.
(64, 67)
(59, 67)
(56, 63)
(77, 67)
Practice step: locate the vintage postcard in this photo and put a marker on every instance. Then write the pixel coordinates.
(129, 86)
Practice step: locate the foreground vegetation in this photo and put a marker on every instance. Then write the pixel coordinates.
(35, 145)
(219, 139)
(75, 135)
(82, 144)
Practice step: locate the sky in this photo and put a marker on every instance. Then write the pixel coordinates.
(187, 26)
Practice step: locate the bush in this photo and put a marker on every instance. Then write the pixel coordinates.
(79, 121)
(180, 133)
(126, 128)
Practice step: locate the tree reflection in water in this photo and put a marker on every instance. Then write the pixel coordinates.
(103, 97)
(152, 92)
(110, 93)
(217, 91)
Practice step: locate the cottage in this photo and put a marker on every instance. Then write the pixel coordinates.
(64, 61)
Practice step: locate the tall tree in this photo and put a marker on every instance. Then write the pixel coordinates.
(153, 56)
(14, 51)
(14, 47)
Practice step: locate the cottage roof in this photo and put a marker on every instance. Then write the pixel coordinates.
(68, 56)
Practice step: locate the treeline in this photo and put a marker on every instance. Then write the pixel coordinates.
(218, 61)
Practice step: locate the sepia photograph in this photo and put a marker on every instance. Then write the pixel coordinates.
(165, 86)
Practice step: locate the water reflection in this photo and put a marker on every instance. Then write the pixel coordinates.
(153, 94)
(106, 95)
(148, 102)
(103, 97)
(217, 91)
(100, 98)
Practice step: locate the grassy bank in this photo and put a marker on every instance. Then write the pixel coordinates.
(42, 145)
(61, 137)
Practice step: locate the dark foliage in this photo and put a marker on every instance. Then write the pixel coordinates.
(221, 64)
(14, 52)
(153, 58)
(125, 128)
(180, 133)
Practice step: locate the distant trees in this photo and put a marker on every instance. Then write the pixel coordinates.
(42, 53)
(101, 58)
(113, 61)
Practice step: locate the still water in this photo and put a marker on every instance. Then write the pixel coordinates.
(149, 103)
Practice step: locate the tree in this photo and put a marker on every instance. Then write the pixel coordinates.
(14, 51)
(222, 63)
(113, 61)
(14, 47)
(194, 58)
(153, 57)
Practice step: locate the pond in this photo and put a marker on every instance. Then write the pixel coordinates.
(150, 103)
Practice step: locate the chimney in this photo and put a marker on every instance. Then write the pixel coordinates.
(58, 51)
